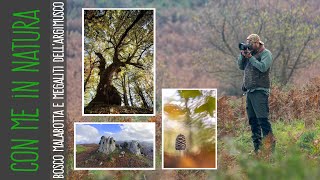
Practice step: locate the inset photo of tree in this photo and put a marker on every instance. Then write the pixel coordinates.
(114, 146)
(189, 128)
(118, 62)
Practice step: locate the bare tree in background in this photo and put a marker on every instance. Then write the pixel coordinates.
(288, 29)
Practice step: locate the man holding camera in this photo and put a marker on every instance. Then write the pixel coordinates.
(255, 60)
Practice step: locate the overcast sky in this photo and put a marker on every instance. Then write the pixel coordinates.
(91, 133)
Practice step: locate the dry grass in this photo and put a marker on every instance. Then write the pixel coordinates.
(296, 103)
(285, 105)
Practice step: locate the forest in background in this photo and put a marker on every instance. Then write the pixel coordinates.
(179, 63)
(191, 52)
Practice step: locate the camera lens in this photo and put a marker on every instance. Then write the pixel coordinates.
(242, 46)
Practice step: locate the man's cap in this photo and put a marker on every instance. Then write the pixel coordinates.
(254, 38)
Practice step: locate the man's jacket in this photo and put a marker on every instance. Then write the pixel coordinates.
(256, 70)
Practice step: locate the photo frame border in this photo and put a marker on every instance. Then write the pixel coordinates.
(216, 126)
(154, 61)
(88, 123)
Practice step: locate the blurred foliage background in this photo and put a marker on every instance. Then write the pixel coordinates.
(191, 113)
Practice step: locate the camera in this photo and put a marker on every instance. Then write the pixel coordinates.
(243, 46)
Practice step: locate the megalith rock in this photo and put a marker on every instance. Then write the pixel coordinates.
(107, 145)
(134, 147)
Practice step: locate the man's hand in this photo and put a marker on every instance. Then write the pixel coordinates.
(246, 53)
(242, 52)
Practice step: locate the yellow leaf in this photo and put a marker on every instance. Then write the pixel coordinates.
(173, 111)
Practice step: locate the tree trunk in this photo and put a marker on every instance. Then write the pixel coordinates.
(283, 72)
(149, 95)
(130, 95)
(89, 75)
(87, 79)
(106, 92)
(125, 97)
(140, 93)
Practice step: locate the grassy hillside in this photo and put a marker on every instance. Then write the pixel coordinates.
(88, 157)
(296, 155)
(295, 112)
(295, 120)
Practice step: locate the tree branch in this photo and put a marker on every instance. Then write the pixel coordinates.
(299, 56)
(138, 65)
(224, 38)
(144, 50)
(140, 15)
